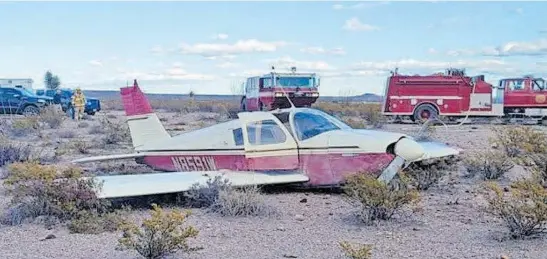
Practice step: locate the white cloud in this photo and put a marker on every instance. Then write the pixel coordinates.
(488, 66)
(222, 49)
(361, 5)
(221, 36)
(321, 50)
(432, 51)
(157, 49)
(95, 63)
(354, 24)
(514, 48)
(224, 57)
(227, 65)
(174, 73)
(287, 62)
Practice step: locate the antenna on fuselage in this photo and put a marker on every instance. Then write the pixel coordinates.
(283, 90)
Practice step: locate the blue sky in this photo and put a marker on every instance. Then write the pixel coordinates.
(209, 47)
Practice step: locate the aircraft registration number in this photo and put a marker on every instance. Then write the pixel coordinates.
(194, 163)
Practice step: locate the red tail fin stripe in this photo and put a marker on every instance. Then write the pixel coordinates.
(134, 101)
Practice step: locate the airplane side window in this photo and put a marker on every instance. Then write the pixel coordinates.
(238, 136)
(265, 132)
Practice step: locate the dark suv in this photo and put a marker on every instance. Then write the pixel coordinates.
(92, 105)
(21, 101)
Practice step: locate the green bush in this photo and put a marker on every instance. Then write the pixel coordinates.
(376, 199)
(160, 235)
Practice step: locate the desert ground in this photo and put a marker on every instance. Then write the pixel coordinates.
(449, 223)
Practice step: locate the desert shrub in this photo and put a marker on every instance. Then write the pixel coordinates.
(66, 134)
(369, 111)
(24, 126)
(524, 210)
(372, 114)
(491, 164)
(160, 235)
(245, 201)
(115, 132)
(360, 251)
(92, 222)
(200, 196)
(83, 124)
(519, 140)
(377, 200)
(52, 117)
(425, 176)
(356, 124)
(43, 190)
(96, 129)
(11, 152)
(538, 167)
(219, 196)
(82, 146)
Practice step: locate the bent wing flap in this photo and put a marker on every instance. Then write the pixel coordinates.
(115, 186)
(106, 158)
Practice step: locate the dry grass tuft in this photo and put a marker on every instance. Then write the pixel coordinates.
(491, 164)
(218, 196)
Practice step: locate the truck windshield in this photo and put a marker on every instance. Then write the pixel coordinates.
(295, 82)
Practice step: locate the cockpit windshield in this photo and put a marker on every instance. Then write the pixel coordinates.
(310, 123)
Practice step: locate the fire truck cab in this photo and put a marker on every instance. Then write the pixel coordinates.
(525, 95)
(454, 95)
(451, 94)
(270, 91)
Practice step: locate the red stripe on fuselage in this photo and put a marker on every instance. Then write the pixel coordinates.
(322, 168)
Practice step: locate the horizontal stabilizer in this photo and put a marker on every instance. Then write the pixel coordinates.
(106, 158)
(114, 186)
(437, 150)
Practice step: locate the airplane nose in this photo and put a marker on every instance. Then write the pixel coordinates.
(409, 149)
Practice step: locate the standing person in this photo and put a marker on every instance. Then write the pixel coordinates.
(78, 103)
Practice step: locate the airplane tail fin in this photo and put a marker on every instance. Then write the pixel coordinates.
(143, 123)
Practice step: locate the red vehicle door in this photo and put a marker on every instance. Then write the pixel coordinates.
(516, 93)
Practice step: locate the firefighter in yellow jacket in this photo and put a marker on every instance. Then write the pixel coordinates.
(78, 103)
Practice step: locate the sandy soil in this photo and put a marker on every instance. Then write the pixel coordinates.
(450, 224)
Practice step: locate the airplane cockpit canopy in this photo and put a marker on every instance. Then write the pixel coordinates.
(309, 123)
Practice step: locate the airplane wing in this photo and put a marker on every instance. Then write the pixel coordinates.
(106, 158)
(437, 150)
(114, 186)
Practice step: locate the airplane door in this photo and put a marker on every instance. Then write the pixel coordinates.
(268, 143)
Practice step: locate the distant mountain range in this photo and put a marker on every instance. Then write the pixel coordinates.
(103, 94)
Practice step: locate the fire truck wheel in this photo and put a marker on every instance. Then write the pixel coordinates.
(425, 112)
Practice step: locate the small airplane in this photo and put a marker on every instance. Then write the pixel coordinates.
(301, 146)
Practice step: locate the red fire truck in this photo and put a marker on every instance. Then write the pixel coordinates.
(270, 91)
(455, 95)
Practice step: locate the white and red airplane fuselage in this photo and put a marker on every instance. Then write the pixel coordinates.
(300, 145)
